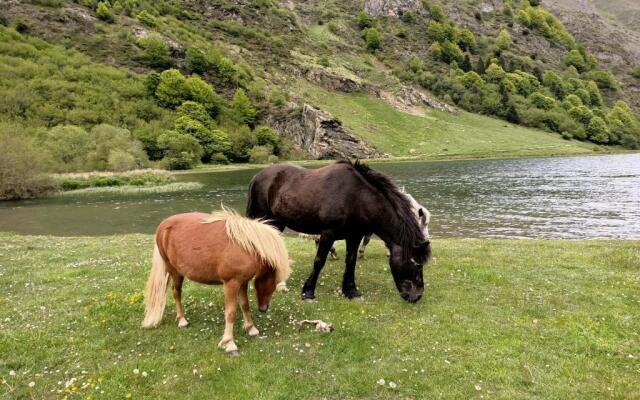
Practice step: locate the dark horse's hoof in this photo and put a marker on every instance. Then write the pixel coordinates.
(351, 293)
(308, 296)
(234, 353)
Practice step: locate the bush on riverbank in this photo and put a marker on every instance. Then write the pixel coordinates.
(21, 172)
(145, 177)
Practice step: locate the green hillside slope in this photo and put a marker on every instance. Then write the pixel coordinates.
(191, 82)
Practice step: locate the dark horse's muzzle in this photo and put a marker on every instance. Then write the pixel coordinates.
(410, 292)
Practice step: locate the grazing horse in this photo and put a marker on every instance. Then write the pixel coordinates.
(222, 247)
(421, 212)
(344, 200)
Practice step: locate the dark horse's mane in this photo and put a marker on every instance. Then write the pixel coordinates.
(409, 231)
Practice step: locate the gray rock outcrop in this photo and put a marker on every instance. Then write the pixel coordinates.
(320, 134)
(392, 8)
(333, 82)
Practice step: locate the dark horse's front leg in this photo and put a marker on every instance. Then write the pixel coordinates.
(349, 288)
(324, 246)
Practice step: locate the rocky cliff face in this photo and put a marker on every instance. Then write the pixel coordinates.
(392, 8)
(320, 134)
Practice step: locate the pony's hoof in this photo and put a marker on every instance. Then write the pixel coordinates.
(253, 332)
(234, 353)
(183, 323)
(352, 293)
(282, 287)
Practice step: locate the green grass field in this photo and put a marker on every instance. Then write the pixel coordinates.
(438, 135)
(500, 319)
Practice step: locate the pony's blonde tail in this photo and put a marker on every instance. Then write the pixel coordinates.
(155, 296)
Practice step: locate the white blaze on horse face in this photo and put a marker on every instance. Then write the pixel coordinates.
(417, 209)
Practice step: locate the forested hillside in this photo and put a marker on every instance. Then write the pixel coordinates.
(122, 84)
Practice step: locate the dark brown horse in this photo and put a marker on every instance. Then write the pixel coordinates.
(347, 201)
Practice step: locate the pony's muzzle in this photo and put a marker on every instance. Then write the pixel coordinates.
(263, 308)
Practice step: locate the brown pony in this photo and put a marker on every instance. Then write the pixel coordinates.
(222, 247)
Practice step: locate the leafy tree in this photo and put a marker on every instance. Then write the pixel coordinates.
(481, 66)
(242, 107)
(581, 114)
(201, 92)
(21, 168)
(437, 31)
(172, 89)
(196, 60)
(435, 51)
(494, 73)
(554, 82)
(372, 39)
(181, 151)
(574, 58)
(112, 148)
(572, 101)
(466, 63)
(584, 96)
(504, 40)
(466, 39)
(195, 111)
(603, 78)
(104, 13)
(471, 80)
(151, 82)
(267, 136)
(156, 53)
(451, 52)
(364, 20)
(598, 131)
(541, 101)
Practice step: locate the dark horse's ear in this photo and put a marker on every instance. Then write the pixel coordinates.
(422, 252)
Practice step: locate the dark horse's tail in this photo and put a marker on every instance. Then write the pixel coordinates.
(251, 200)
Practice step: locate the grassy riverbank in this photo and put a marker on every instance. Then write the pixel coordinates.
(500, 319)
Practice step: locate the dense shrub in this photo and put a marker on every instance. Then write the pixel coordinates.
(603, 78)
(242, 108)
(598, 131)
(146, 18)
(364, 20)
(21, 171)
(504, 40)
(172, 88)
(260, 154)
(156, 53)
(181, 151)
(104, 12)
(372, 39)
(267, 136)
(196, 60)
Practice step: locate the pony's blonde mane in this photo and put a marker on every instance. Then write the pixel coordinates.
(256, 237)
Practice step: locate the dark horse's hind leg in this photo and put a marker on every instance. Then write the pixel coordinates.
(349, 288)
(309, 288)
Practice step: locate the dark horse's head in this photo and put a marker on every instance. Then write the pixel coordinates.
(406, 268)
(406, 234)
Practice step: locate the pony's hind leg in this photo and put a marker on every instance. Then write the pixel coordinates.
(231, 289)
(249, 327)
(177, 296)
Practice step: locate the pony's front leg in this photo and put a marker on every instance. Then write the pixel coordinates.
(309, 288)
(349, 288)
(230, 304)
(249, 327)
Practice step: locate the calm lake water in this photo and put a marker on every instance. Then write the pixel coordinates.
(572, 197)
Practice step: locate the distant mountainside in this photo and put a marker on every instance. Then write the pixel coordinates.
(222, 80)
